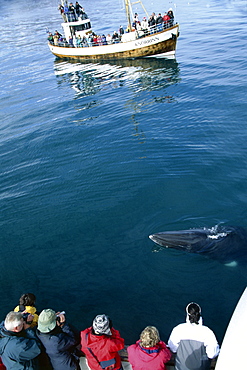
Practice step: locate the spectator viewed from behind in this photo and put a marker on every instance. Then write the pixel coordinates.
(101, 343)
(27, 305)
(59, 340)
(149, 352)
(19, 346)
(194, 344)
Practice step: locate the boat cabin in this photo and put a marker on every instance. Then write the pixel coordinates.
(81, 27)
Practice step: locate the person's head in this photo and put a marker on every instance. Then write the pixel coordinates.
(149, 337)
(27, 299)
(47, 320)
(102, 325)
(193, 311)
(14, 321)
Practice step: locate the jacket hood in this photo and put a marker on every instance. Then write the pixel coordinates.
(148, 354)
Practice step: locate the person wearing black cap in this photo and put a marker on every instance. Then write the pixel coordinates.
(194, 344)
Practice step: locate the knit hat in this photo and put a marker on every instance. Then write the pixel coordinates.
(101, 325)
(47, 320)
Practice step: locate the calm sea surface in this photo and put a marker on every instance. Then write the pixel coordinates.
(97, 156)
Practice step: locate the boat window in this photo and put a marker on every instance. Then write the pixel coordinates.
(82, 27)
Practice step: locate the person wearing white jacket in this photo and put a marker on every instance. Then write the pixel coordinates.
(194, 344)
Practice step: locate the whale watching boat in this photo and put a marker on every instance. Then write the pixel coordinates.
(148, 38)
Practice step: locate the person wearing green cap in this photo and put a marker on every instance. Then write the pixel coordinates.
(59, 339)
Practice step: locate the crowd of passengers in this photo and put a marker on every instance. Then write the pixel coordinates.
(70, 13)
(33, 340)
(91, 40)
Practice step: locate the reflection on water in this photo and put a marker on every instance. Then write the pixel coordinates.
(142, 74)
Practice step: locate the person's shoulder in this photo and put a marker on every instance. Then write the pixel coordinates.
(87, 330)
(132, 348)
(31, 309)
(181, 326)
(207, 330)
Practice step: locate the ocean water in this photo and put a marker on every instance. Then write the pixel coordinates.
(97, 156)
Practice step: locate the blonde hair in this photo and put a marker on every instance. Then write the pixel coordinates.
(149, 337)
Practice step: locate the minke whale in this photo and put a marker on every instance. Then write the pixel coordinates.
(226, 244)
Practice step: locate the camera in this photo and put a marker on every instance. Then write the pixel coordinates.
(25, 317)
(58, 316)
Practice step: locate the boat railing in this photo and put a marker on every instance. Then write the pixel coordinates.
(73, 17)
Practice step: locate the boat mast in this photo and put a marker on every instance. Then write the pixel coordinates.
(127, 9)
(140, 2)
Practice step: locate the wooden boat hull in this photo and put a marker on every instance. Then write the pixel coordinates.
(161, 44)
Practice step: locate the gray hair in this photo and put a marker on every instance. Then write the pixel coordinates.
(149, 337)
(12, 320)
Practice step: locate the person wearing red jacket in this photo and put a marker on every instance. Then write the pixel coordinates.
(101, 343)
(149, 352)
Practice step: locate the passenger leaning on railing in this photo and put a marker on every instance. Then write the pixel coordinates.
(166, 20)
(101, 343)
(149, 352)
(194, 343)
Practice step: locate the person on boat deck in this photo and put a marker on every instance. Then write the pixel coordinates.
(59, 339)
(115, 37)
(103, 39)
(50, 37)
(108, 39)
(166, 20)
(151, 21)
(159, 21)
(101, 343)
(171, 15)
(61, 9)
(78, 9)
(136, 19)
(149, 352)
(71, 42)
(79, 42)
(27, 302)
(19, 346)
(194, 344)
(144, 25)
(121, 31)
(71, 14)
(95, 40)
(90, 40)
(66, 10)
(57, 33)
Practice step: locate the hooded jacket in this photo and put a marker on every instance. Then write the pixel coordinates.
(194, 345)
(148, 358)
(102, 350)
(19, 350)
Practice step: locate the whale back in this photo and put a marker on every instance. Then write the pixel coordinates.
(226, 244)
